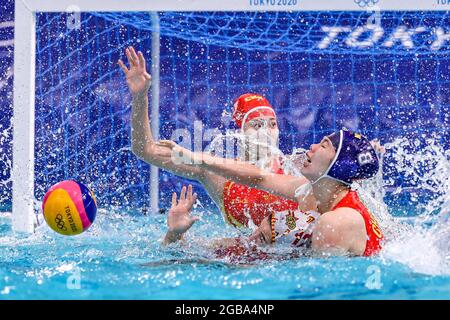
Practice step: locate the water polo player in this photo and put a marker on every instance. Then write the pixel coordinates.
(345, 225)
(255, 117)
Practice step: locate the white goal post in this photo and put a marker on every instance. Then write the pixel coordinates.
(23, 215)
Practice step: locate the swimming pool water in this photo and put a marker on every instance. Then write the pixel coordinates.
(121, 257)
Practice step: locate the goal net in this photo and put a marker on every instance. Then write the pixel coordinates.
(383, 73)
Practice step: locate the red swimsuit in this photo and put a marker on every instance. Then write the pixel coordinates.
(374, 235)
(241, 202)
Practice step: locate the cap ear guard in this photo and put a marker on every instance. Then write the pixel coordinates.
(355, 158)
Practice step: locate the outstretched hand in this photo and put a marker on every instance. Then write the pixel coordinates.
(138, 79)
(172, 145)
(179, 154)
(179, 219)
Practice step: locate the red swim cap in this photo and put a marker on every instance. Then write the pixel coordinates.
(250, 106)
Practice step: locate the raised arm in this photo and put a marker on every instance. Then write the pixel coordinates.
(142, 143)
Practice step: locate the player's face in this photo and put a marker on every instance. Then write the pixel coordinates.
(264, 128)
(270, 123)
(263, 234)
(319, 158)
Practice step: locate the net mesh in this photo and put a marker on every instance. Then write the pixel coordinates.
(386, 80)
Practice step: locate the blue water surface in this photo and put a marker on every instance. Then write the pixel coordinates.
(121, 257)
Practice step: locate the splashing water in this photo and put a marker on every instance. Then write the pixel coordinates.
(127, 244)
(260, 151)
(6, 164)
(424, 165)
(422, 240)
(236, 145)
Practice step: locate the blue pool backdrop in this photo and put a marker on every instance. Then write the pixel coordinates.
(207, 60)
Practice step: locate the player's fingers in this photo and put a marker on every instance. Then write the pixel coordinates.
(162, 145)
(141, 60)
(193, 220)
(189, 193)
(174, 199)
(130, 58)
(134, 55)
(193, 199)
(183, 194)
(122, 66)
(147, 76)
(165, 143)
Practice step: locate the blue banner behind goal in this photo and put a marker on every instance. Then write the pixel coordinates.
(385, 75)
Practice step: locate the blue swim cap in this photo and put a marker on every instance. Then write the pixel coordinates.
(355, 157)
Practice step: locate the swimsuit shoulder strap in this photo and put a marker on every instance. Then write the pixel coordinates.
(350, 199)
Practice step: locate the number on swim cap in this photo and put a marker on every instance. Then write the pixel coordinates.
(365, 158)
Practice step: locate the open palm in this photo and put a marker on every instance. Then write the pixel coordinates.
(138, 79)
(179, 220)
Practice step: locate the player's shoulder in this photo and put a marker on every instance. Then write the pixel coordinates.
(342, 228)
(342, 218)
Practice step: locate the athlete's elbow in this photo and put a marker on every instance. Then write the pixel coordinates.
(141, 151)
(137, 149)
